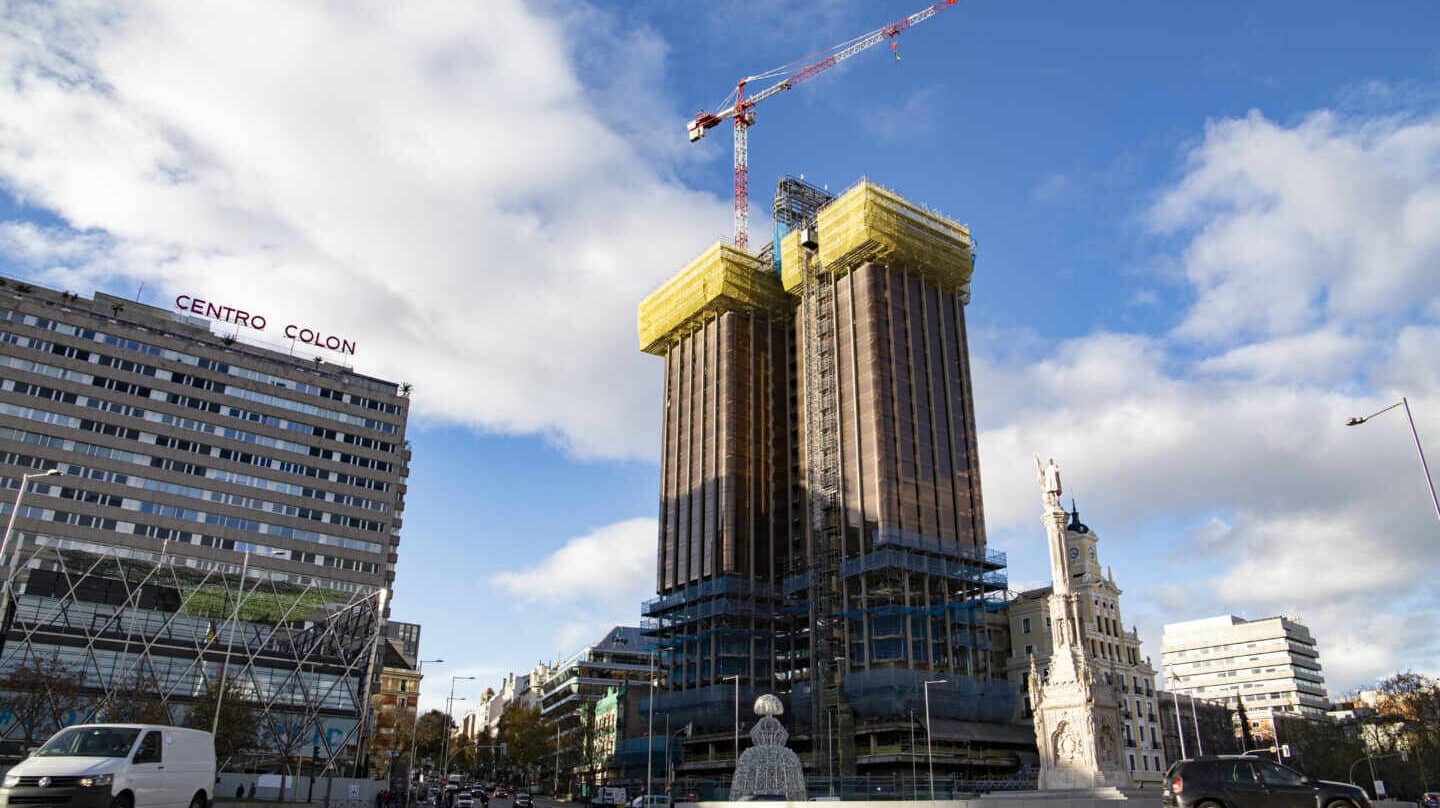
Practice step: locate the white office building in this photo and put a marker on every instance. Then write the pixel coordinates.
(1271, 663)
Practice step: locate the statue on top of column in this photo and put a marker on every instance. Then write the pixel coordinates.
(1049, 479)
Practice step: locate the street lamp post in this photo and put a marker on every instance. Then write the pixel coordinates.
(736, 677)
(414, 728)
(914, 777)
(650, 738)
(445, 767)
(929, 749)
(1179, 725)
(1195, 722)
(1424, 466)
(15, 556)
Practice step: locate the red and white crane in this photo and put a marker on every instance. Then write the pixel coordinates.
(741, 107)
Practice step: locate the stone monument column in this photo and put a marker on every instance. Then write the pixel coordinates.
(1077, 717)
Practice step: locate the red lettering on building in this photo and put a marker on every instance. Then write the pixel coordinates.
(217, 311)
(241, 317)
(310, 336)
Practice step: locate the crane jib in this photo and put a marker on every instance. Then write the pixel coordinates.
(740, 110)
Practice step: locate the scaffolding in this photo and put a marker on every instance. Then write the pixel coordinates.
(862, 610)
(169, 629)
(721, 279)
(796, 202)
(824, 546)
(870, 223)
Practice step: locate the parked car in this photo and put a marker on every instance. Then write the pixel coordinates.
(464, 800)
(523, 800)
(1430, 799)
(116, 766)
(1242, 781)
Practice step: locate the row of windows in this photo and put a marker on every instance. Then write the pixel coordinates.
(221, 497)
(1107, 625)
(1269, 643)
(221, 475)
(295, 490)
(195, 447)
(175, 398)
(212, 406)
(239, 546)
(102, 451)
(1282, 658)
(1113, 652)
(1145, 762)
(285, 403)
(304, 387)
(231, 568)
(202, 362)
(41, 514)
(182, 514)
(51, 394)
(180, 422)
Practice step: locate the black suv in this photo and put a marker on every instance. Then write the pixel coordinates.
(1239, 781)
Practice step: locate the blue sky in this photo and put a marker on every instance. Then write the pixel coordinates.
(1206, 237)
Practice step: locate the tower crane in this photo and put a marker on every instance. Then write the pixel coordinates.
(740, 107)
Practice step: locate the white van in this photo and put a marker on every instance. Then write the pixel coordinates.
(116, 766)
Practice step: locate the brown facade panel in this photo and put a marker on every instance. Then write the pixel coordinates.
(719, 471)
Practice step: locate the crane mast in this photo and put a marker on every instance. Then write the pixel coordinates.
(741, 110)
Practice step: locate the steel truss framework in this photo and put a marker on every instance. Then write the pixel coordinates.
(170, 628)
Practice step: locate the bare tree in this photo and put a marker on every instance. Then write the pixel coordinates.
(44, 693)
(239, 725)
(136, 702)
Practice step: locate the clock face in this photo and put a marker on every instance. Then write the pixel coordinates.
(1074, 553)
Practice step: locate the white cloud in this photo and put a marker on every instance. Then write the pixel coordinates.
(434, 181)
(1321, 355)
(590, 584)
(614, 565)
(1330, 220)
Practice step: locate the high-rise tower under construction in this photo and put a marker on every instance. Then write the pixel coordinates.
(821, 528)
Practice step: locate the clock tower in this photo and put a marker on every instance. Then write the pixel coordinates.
(1080, 549)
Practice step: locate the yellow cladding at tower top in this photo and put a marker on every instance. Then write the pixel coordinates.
(721, 279)
(867, 223)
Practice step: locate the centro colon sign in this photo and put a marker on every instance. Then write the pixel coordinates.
(240, 317)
